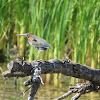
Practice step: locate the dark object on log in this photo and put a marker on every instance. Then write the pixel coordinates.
(66, 67)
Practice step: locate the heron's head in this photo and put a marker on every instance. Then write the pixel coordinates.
(28, 35)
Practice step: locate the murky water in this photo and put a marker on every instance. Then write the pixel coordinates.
(10, 91)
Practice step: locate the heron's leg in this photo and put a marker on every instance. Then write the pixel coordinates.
(37, 55)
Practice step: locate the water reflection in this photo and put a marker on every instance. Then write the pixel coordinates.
(10, 91)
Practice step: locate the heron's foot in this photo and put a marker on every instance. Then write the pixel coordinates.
(39, 60)
(22, 59)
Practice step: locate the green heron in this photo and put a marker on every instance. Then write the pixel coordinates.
(37, 42)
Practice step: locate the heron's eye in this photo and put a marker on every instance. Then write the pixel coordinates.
(27, 36)
(34, 40)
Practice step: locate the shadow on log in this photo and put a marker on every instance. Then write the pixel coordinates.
(66, 67)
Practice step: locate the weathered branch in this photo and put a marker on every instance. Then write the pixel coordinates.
(80, 89)
(34, 89)
(66, 67)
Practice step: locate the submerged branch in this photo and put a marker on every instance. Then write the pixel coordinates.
(80, 89)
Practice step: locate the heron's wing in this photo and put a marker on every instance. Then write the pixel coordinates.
(39, 42)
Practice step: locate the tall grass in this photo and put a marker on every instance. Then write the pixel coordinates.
(70, 26)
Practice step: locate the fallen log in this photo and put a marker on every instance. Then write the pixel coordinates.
(65, 67)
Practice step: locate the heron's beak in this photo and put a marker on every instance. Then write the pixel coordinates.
(22, 35)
